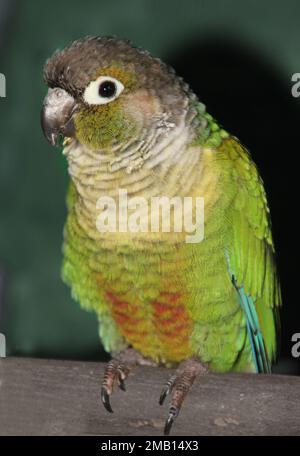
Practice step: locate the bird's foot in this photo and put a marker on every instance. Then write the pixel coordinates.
(117, 370)
(179, 385)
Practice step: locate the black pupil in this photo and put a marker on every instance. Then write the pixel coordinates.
(107, 89)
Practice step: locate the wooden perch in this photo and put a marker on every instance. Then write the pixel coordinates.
(45, 397)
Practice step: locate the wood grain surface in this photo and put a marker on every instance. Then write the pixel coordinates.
(48, 397)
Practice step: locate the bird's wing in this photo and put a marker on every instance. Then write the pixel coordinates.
(250, 251)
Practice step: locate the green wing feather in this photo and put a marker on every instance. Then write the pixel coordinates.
(250, 251)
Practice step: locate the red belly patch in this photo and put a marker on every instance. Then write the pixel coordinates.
(163, 334)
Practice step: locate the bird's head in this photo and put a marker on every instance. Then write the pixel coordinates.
(104, 92)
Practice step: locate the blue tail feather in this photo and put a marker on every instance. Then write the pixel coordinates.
(260, 357)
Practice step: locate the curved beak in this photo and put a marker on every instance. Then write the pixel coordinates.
(57, 115)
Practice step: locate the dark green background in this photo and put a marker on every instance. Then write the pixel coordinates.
(37, 313)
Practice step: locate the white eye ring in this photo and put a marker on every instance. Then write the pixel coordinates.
(92, 93)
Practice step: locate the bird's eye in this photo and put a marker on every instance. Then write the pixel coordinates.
(104, 90)
(107, 89)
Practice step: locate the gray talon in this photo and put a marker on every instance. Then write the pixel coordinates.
(105, 400)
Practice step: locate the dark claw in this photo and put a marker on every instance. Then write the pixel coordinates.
(173, 413)
(105, 400)
(168, 425)
(167, 389)
(121, 384)
(164, 394)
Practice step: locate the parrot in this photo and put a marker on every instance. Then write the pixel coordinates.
(125, 120)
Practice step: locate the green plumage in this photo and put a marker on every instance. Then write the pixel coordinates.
(217, 300)
(234, 263)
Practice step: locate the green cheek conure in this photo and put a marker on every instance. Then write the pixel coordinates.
(129, 122)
